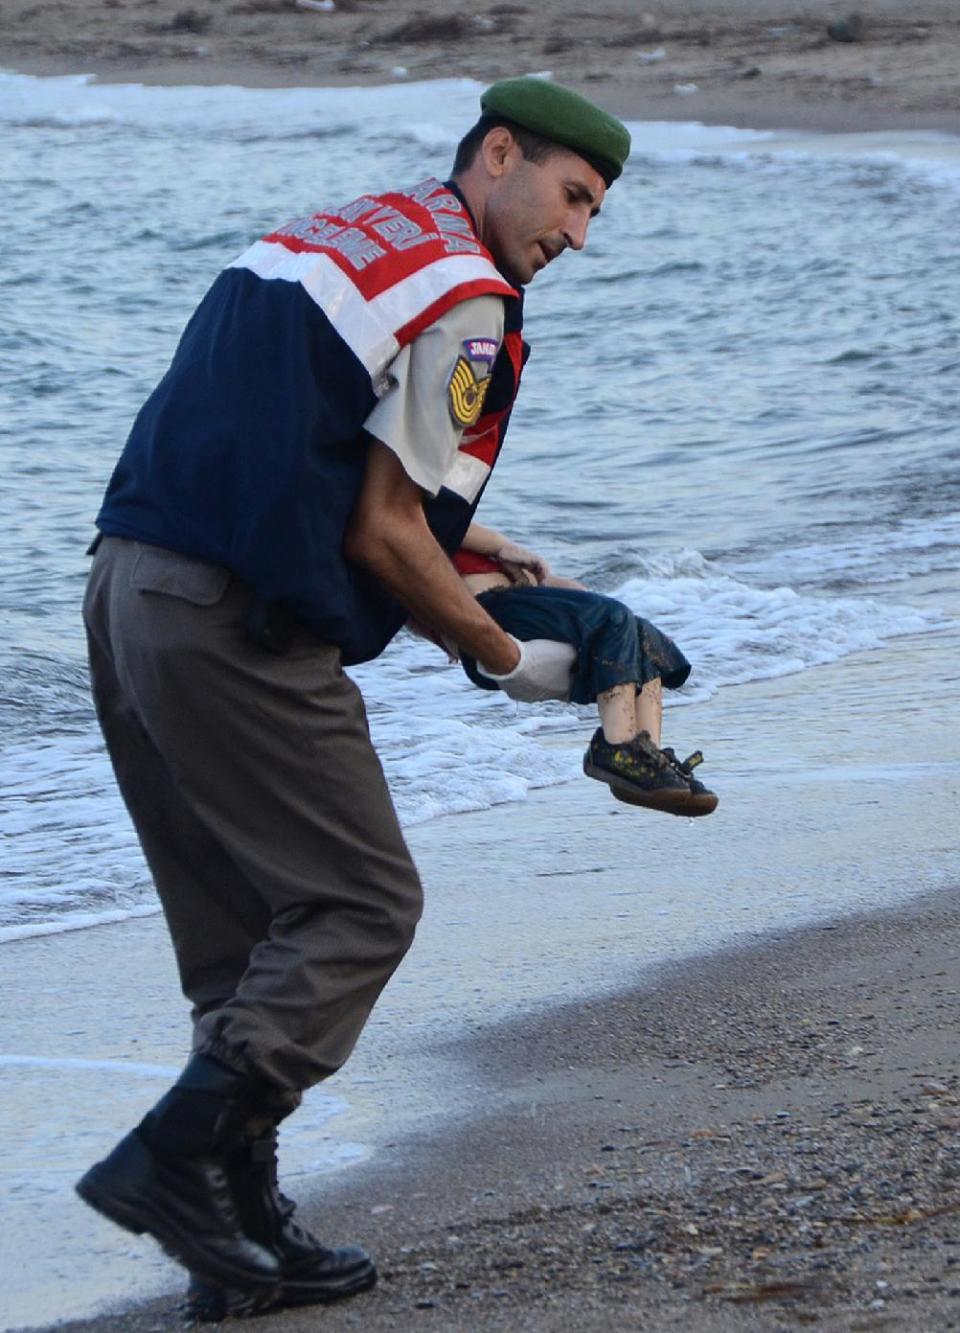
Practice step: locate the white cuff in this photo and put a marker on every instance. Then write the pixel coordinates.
(509, 675)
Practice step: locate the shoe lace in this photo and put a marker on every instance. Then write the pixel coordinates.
(684, 766)
(264, 1158)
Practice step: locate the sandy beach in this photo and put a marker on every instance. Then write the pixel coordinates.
(765, 1140)
(756, 63)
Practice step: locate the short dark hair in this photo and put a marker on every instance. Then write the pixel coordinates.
(534, 147)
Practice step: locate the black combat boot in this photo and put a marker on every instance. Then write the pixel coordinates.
(310, 1273)
(168, 1177)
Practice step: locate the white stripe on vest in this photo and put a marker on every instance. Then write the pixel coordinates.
(369, 328)
(466, 476)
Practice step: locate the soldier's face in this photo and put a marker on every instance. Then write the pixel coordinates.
(536, 210)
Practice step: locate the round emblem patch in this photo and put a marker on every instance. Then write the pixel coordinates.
(466, 392)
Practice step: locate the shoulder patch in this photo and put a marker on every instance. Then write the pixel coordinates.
(470, 379)
(481, 349)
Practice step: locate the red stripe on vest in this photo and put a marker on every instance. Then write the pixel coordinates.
(465, 292)
(386, 261)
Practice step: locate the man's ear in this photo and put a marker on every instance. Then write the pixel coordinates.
(496, 149)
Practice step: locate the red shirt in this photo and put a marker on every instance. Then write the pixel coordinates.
(469, 562)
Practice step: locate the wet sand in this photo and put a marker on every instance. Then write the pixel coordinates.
(762, 1140)
(754, 63)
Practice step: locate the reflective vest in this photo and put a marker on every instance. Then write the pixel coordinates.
(249, 453)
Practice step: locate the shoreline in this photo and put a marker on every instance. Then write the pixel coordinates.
(720, 108)
(755, 64)
(772, 1129)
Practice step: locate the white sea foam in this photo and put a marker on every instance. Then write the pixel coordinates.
(929, 158)
(73, 920)
(735, 632)
(423, 109)
(77, 100)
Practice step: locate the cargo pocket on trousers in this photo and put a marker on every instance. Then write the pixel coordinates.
(158, 570)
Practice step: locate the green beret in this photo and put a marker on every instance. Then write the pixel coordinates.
(564, 116)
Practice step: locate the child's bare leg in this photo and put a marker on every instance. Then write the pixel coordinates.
(618, 713)
(648, 709)
(624, 711)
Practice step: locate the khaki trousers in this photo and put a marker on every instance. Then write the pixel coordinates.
(261, 808)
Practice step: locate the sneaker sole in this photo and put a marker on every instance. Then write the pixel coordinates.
(133, 1216)
(666, 799)
(694, 806)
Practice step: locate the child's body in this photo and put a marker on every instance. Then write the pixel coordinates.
(618, 660)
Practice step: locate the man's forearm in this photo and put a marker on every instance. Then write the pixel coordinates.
(419, 574)
(389, 536)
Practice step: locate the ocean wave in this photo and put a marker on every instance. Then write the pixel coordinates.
(735, 632)
(891, 166)
(914, 547)
(246, 114)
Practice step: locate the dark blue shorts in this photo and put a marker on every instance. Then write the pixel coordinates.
(613, 645)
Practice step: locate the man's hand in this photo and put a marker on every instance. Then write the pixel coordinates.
(543, 672)
(521, 565)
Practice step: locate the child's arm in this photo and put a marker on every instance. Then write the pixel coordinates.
(483, 541)
(521, 565)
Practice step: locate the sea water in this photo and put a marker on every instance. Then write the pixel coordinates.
(739, 416)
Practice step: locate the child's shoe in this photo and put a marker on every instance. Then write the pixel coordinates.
(639, 773)
(707, 800)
